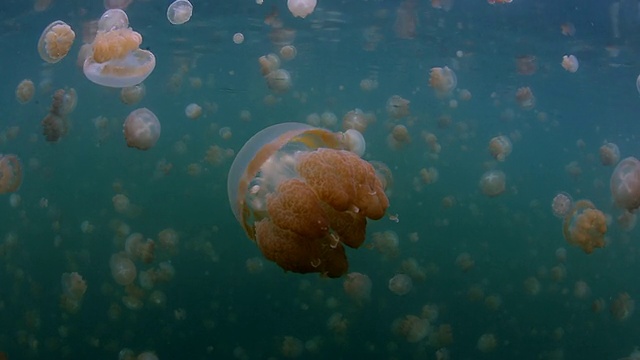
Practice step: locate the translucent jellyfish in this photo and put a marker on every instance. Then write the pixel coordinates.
(465, 262)
(73, 290)
(625, 184)
(355, 119)
(269, 63)
(279, 81)
(411, 327)
(525, 98)
(570, 63)
(116, 60)
(622, 307)
(288, 52)
(585, 226)
(55, 41)
(397, 107)
(193, 111)
(561, 204)
(400, 284)
(301, 195)
(179, 12)
(301, 8)
(443, 80)
(526, 65)
(492, 183)
(238, 38)
(141, 129)
(581, 290)
(568, 29)
(25, 91)
(398, 137)
(500, 147)
(122, 269)
(609, 154)
(487, 343)
(354, 142)
(132, 94)
(358, 287)
(10, 173)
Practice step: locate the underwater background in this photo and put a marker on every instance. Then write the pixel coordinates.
(491, 277)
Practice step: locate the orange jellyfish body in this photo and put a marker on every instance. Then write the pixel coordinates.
(301, 207)
(55, 41)
(10, 173)
(585, 226)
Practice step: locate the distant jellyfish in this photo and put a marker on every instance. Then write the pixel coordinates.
(622, 307)
(279, 80)
(10, 173)
(132, 94)
(584, 226)
(25, 91)
(492, 183)
(355, 119)
(525, 98)
(526, 65)
(399, 136)
(179, 12)
(238, 38)
(443, 80)
(193, 111)
(465, 262)
(568, 29)
(411, 327)
(609, 154)
(625, 184)
(570, 63)
(73, 290)
(55, 41)
(301, 8)
(141, 129)
(561, 204)
(397, 107)
(500, 147)
(292, 347)
(123, 269)
(288, 52)
(638, 83)
(487, 343)
(358, 287)
(400, 284)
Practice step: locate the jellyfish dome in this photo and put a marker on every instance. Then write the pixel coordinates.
(301, 194)
(584, 226)
(625, 184)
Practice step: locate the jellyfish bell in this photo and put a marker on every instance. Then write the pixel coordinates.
(609, 154)
(584, 226)
(279, 80)
(570, 63)
(10, 173)
(301, 195)
(122, 268)
(179, 12)
(355, 141)
(443, 80)
(113, 19)
(56, 41)
(119, 73)
(301, 8)
(25, 91)
(561, 204)
(625, 184)
(500, 147)
(141, 129)
(492, 183)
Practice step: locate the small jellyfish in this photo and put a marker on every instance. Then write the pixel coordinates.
(609, 154)
(301, 8)
(568, 29)
(132, 94)
(487, 343)
(279, 80)
(526, 65)
(288, 52)
(123, 269)
(570, 63)
(400, 284)
(525, 98)
(141, 129)
(492, 183)
(179, 12)
(412, 328)
(443, 81)
(638, 83)
(561, 204)
(622, 307)
(358, 287)
(625, 184)
(397, 107)
(25, 91)
(500, 147)
(355, 119)
(354, 142)
(585, 226)
(193, 111)
(55, 41)
(238, 38)
(10, 173)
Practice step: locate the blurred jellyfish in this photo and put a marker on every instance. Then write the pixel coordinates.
(532, 285)
(55, 41)
(487, 343)
(358, 287)
(625, 184)
(55, 125)
(627, 220)
(568, 29)
(355, 119)
(368, 84)
(406, 22)
(400, 284)
(609, 154)
(179, 12)
(10, 173)
(193, 111)
(117, 4)
(279, 81)
(132, 94)
(525, 98)
(570, 63)
(398, 137)
(238, 38)
(301, 8)
(526, 65)
(581, 290)
(73, 290)
(141, 129)
(500, 147)
(288, 52)
(442, 80)
(411, 327)
(492, 183)
(561, 204)
(25, 91)
(585, 226)
(465, 262)
(429, 176)
(622, 307)
(397, 107)
(292, 347)
(122, 269)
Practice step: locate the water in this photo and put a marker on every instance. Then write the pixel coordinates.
(215, 307)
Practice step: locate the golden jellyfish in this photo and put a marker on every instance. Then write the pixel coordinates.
(622, 307)
(288, 52)
(56, 41)
(525, 98)
(412, 328)
(25, 91)
(301, 8)
(585, 226)
(133, 94)
(398, 137)
(179, 12)
(355, 119)
(400, 284)
(487, 343)
(570, 63)
(358, 287)
(397, 107)
(193, 111)
(122, 268)
(493, 183)
(117, 60)
(625, 184)
(443, 80)
(268, 63)
(500, 147)
(279, 80)
(141, 129)
(609, 154)
(10, 173)
(301, 195)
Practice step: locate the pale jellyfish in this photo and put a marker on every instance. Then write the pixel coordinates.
(570, 63)
(179, 12)
(358, 287)
(301, 8)
(400, 284)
